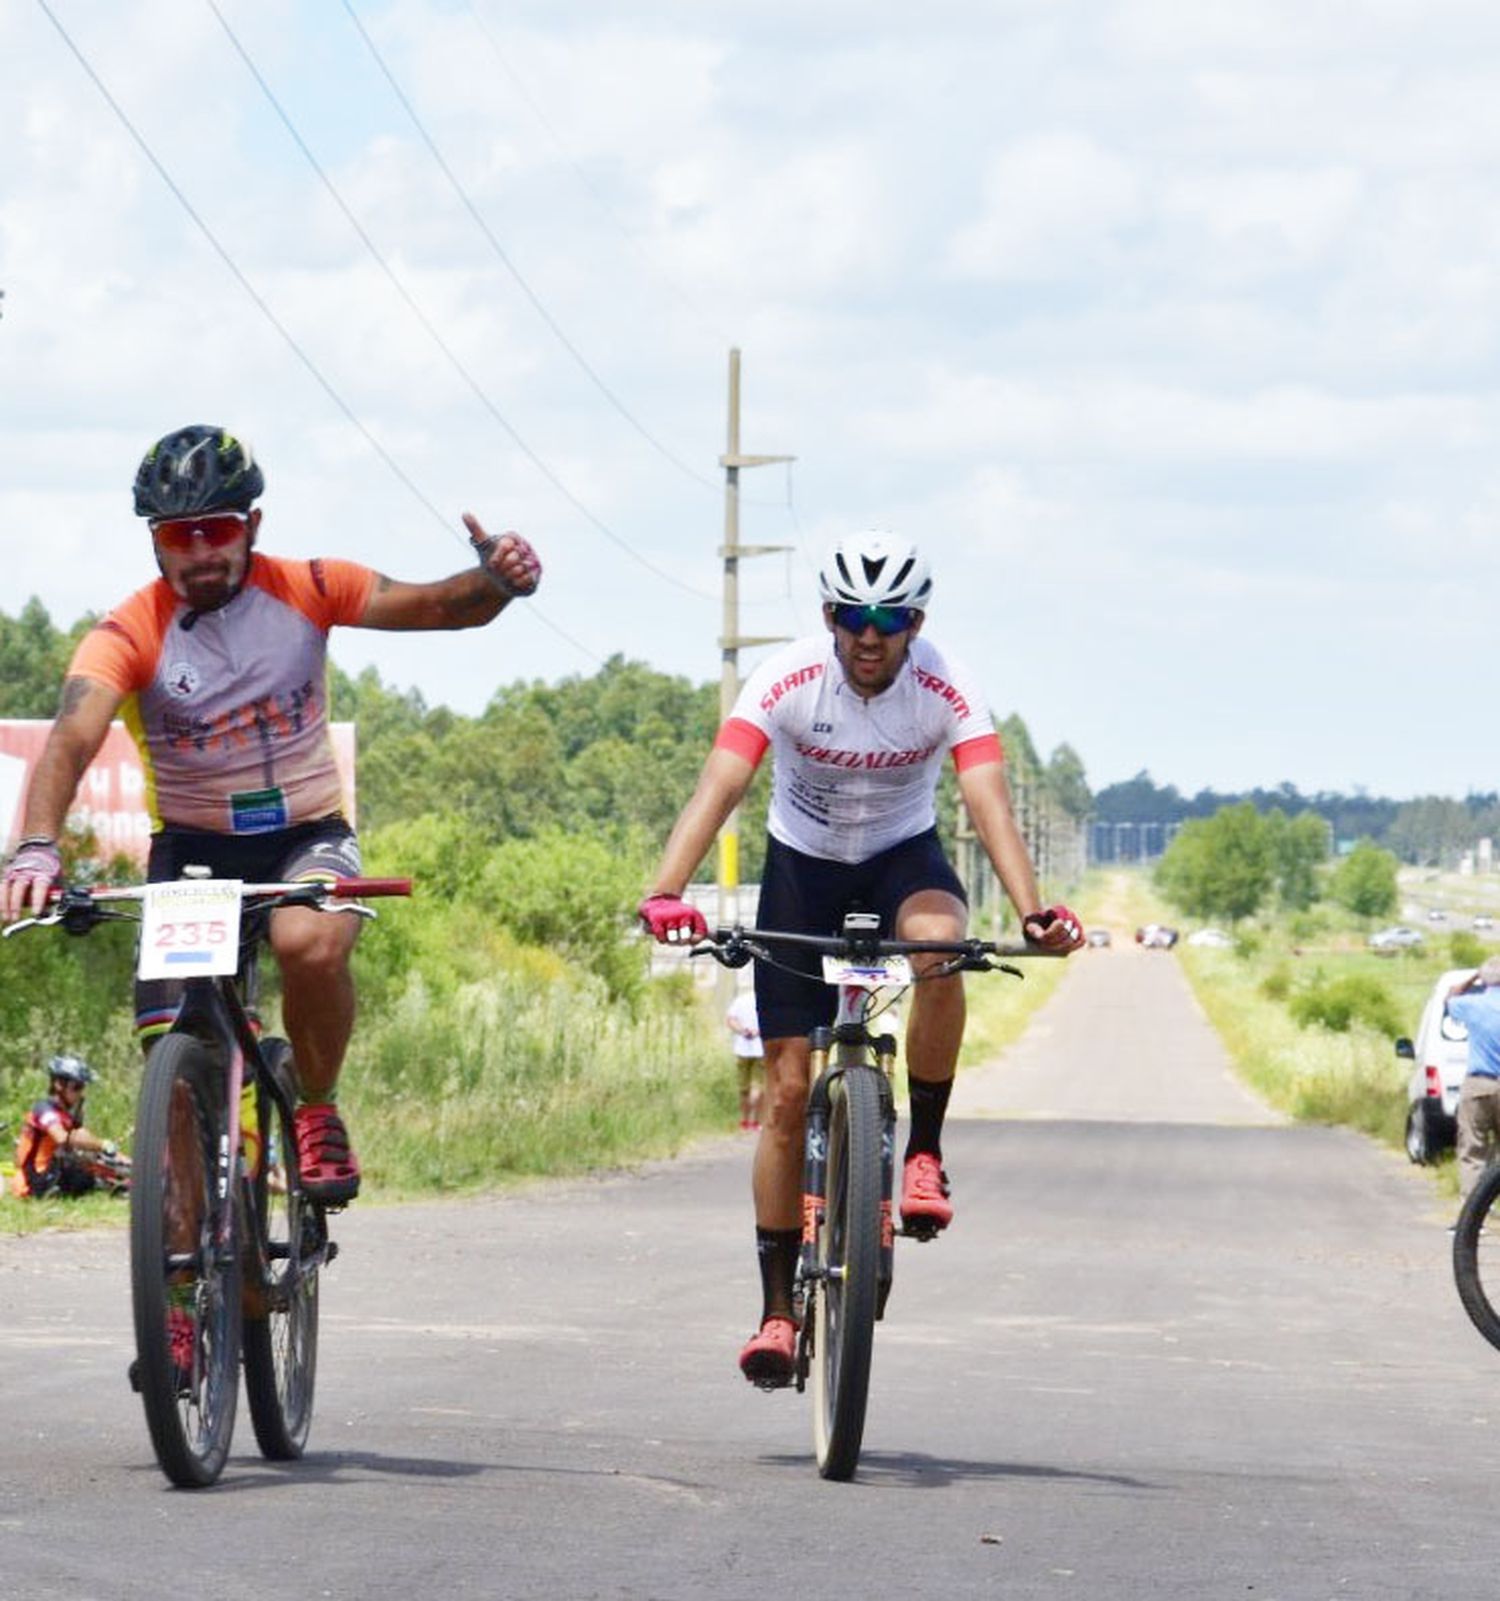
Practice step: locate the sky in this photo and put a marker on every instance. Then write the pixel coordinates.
(1169, 332)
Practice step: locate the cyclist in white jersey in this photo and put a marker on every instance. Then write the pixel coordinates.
(859, 721)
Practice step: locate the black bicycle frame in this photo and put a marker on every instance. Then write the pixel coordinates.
(213, 1010)
(854, 1044)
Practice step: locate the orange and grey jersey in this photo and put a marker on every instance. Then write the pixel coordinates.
(853, 776)
(45, 1129)
(229, 708)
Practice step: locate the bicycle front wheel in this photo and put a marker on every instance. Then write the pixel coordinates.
(281, 1317)
(1476, 1255)
(184, 1262)
(843, 1301)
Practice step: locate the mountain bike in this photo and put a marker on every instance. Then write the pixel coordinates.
(226, 1247)
(846, 1267)
(1476, 1254)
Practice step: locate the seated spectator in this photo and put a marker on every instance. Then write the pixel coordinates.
(56, 1153)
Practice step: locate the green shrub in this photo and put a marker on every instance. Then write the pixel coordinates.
(1336, 1004)
(576, 895)
(1304, 927)
(1277, 984)
(1246, 943)
(1464, 950)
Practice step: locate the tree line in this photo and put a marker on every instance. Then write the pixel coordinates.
(610, 756)
(1430, 831)
(1237, 862)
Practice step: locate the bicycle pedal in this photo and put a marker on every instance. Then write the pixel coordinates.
(920, 1230)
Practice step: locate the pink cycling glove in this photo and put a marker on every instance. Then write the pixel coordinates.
(670, 920)
(510, 563)
(1057, 928)
(30, 873)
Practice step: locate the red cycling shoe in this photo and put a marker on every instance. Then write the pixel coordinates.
(182, 1335)
(924, 1194)
(769, 1358)
(330, 1173)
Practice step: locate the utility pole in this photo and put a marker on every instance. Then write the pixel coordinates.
(731, 641)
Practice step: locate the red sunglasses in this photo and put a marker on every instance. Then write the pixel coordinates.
(184, 536)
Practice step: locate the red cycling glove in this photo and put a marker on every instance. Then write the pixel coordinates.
(1057, 928)
(671, 921)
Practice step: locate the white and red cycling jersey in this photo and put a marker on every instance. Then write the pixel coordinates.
(852, 777)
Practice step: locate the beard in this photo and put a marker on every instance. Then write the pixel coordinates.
(212, 582)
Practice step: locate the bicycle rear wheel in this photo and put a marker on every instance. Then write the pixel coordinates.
(281, 1331)
(844, 1293)
(184, 1263)
(1476, 1255)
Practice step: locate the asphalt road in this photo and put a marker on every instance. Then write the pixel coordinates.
(1170, 1348)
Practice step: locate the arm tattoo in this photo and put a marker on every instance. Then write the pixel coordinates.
(73, 692)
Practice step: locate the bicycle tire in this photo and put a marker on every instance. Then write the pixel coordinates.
(846, 1288)
(1476, 1255)
(281, 1336)
(177, 1213)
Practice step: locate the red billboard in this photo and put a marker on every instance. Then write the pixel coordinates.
(111, 799)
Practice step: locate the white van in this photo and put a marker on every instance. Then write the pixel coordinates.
(1439, 1058)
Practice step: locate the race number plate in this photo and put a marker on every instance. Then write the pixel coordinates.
(887, 972)
(190, 927)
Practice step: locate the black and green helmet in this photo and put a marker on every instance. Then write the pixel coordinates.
(196, 469)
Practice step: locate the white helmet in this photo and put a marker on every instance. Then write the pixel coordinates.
(875, 568)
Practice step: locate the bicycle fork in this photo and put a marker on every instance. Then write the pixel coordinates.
(855, 1046)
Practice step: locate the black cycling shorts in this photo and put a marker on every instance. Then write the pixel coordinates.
(808, 895)
(320, 849)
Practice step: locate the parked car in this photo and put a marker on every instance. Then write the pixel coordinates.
(1214, 938)
(1099, 938)
(1398, 938)
(1439, 1058)
(1484, 920)
(1437, 915)
(1156, 937)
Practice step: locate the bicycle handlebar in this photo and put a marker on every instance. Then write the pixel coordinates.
(725, 944)
(78, 908)
(316, 888)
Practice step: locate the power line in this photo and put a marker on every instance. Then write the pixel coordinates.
(597, 196)
(264, 308)
(595, 193)
(504, 259)
(430, 327)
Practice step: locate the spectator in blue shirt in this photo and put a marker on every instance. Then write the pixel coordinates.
(1476, 1004)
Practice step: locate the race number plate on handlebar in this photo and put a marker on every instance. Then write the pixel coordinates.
(190, 927)
(883, 972)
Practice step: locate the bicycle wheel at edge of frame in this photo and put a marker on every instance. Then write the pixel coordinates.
(190, 1413)
(1476, 1270)
(281, 1347)
(844, 1306)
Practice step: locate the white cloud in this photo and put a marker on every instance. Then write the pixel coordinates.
(1053, 206)
(1285, 218)
(1149, 318)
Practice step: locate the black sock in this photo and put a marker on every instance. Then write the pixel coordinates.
(777, 1250)
(929, 1104)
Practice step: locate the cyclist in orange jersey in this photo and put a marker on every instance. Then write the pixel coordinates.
(219, 669)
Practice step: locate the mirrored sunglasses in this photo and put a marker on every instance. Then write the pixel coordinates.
(884, 619)
(183, 536)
